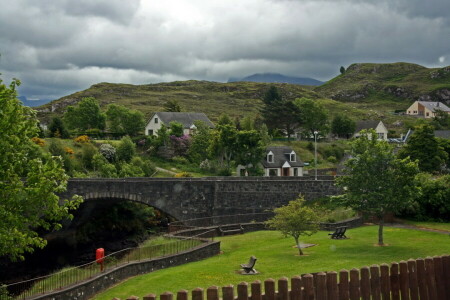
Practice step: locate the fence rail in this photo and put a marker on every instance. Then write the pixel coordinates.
(424, 279)
(71, 276)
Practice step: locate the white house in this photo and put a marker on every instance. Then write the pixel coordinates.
(426, 109)
(187, 119)
(282, 161)
(379, 127)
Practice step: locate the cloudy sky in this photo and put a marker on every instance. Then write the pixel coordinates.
(59, 47)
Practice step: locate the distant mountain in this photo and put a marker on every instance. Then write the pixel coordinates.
(277, 78)
(33, 103)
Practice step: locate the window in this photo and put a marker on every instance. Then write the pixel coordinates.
(273, 172)
(428, 114)
(295, 171)
(270, 158)
(381, 136)
(292, 158)
(156, 120)
(150, 132)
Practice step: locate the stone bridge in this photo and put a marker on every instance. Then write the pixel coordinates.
(188, 198)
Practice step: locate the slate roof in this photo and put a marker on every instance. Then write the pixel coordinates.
(433, 106)
(443, 134)
(185, 118)
(370, 124)
(280, 156)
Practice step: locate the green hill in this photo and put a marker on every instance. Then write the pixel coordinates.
(399, 82)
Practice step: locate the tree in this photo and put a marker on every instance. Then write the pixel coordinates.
(176, 128)
(58, 129)
(376, 181)
(441, 120)
(198, 151)
(249, 151)
(224, 119)
(126, 149)
(296, 219)
(312, 116)
(342, 70)
(343, 126)
(29, 181)
(279, 113)
(424, 147)
(172, 106)
(85, 115)
(123, 120)
(223, 144)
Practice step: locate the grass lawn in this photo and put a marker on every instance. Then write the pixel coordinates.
(277, 258)
(430, 225)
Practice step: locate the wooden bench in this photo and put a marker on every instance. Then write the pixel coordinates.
(249, 267)
(230, 229)
(339, 233)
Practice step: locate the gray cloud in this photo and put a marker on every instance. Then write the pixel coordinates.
(58, 47)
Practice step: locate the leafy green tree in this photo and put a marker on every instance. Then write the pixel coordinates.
(248, 123)
(29, 181)
(312, 116)
(342, 70)
(123, 120)
(279, 113)
(172, 106)
(223, 144)
(343, 126)
(376, 181)
(424, 147)
(296, 219)
(249, 151)
(85, 115)
(126, 149)
(224, 119)
(176, 128)
(58, 129)
(198, 151)
(441, 120)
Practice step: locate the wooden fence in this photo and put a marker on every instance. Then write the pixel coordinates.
(424, 279)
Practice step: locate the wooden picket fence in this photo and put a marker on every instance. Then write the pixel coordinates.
(424, 279)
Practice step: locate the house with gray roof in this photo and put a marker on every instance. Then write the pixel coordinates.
(282, 161)
(378, 126)
(426, 109)
(187, 119)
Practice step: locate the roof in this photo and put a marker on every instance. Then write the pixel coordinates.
(435, 106)
(280, 157)
(369, 124)
(185, 118)
(443, 134)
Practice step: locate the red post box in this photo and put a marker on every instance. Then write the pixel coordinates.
(99, 255)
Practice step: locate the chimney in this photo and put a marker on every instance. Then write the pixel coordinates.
(437, 104)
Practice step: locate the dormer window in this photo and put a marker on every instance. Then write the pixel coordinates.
(156, 120)
(292, 156)
(270, 157)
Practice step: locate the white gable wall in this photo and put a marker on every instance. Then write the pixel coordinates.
(152, 125)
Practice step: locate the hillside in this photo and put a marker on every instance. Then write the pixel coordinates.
(399, 82)
(213, 98)
(278, 78)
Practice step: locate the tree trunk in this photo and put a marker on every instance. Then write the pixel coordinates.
(380, 230)
(298, 246)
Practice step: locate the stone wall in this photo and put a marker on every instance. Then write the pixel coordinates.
(188, 198)
(105, 280)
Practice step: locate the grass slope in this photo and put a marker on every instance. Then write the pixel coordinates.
(277, 258)
(393, 82)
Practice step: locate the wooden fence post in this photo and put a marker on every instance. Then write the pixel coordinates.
(256, 290)
(413, 285)
(365, 283)
(309, 287)
(354, 288)
(242, 291)
(394, 282)
(149, 297)
(422, 279)
(212, 293)
(296, 288)
(269, 287)
(385, 282)
(404, 280)
(166, 296)
(283, 289)
(197, 294)
(321, 287)
(133, 298)
(343, 285)
(431, 280)
(439, 275)
(375, 282)
(446, 267)
(227, 292)
(332, 286)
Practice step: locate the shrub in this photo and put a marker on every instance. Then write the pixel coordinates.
(69, 150)
(82, 139)
(145, 165)
(180, 160)
(310, 146)
(87, 154)
(129, 170)
(183, 174)
(108, 151)
(56, 148)
(126, 149)
(38, 141)
(332, 159)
